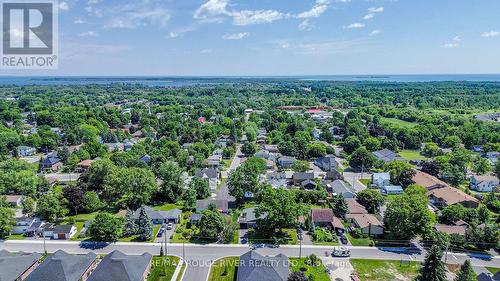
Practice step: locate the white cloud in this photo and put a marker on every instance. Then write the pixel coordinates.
(88, 34)
(306, 25)
(247, 17)
(375, 10)
(206, 51)
(450, 45)
(368, 16)
(212, 8)
(456, 39)
(92, 2)
(491, 33)
(355, 25)
(63, 6)
(132, 18)
(317, 10)
(236, 36)
(79, 21)
(375, 32)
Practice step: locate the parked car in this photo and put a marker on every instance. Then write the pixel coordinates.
(160, 232)
(341, 252)
(170, 226)
(343, 240)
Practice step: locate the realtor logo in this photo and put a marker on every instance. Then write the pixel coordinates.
(29, 34)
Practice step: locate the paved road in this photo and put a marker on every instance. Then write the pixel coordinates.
(64, 177)
(200, 257)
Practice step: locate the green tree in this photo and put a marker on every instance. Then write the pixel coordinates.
(75, 198)
(401, 172)
(279, 207)
(200, 185)
(105, 227)
(371, 199)
(315, 150)
(466, 272)
(340, 207)
(51, 207)
(350, 144)
(482, 166)
(408, 216)
(297, 276)
(129, 227)
(190, 198)
(497, 169)
(7, 221)
(372, 144)
(144, 225)
(249, 149)
(28, 206)
(92, 202)
(211, 224)
(242, 180)
(362, 159)
(301, 166)
(130, 187)
(433, 268)
(172, 184)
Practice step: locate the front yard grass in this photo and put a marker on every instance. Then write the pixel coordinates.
(288, 236)
(493, 270)
(412, 155)
(382, 270)
(365, 182)
(314, 272)
(360, 241)
(162, 268)
(135, 238)
(167, 207)
(224, 269)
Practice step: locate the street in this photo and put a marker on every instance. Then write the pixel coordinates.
(200, 257)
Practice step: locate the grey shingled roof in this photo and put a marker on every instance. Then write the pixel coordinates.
(386, 155)
(159, 215)
(62, 266)
(254, 266)
(118, 266)
(14, 265)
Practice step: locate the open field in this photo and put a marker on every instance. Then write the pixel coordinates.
(380, 270)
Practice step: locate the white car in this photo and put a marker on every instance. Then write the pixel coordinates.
(341, 252)
(170, 226)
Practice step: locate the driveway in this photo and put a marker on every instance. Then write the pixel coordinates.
(353, 179)
(340, 268)
(168, 233)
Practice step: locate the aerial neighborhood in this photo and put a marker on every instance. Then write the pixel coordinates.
(259, 164)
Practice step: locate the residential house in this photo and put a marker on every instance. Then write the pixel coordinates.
(254, 266)
(386, 155)
(485, 183)
(428, 181)
(368, 223)
(308, 184)
(223, 141)
(25, 151)
(381, 179)
(195, 218)
(392, 190)
(248, 219)
(488, 277)
(62, 266)
(451, 229)
(211, 175)
(493, 156)
(222, 205)
(145, 159)
(276, 179)
(286, 162)
(299, 177)
(447, 196)
(327, 163)
(64, 232)
(23, 224)
(272, 148)
(334, 175)
(17, 266)
(51, 164)
(340, 187)
(84, 165)
(36, 229)
(325, 218)
(14, 200)
(353, 207)
(117, 266)
(160, 217)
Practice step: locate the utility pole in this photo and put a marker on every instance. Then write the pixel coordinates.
(183, 252)
(44, 246)
(300, 249)
(166, 243)
(446, 252)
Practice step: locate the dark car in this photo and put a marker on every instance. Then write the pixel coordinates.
(343, 239)
(160, 233)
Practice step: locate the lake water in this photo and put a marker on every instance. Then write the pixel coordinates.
(192, 81)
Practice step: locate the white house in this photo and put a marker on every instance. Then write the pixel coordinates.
(64, 232)
(484, 183)
(381, 179)
(392, 189)
(23, 224)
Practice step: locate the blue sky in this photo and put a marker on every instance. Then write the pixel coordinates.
(277, 37)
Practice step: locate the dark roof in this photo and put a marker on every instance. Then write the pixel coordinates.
(308, 182)
(62, 266)
(326, 163)
(49, 161)
(254, 266)
(207, 172)
(322, 215)
(487, 277)
(63, 228)
(12, 266)
(386, 155)
(303, 176)
(195, 217)
(159, 215)
(117, 266)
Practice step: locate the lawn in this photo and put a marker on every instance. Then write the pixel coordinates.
(493, 270)
(412, 155)
(224, 269)
(397, 123)
(16, 237)
(135, 238)
(79, 221)
(381, 270)
(317, 272)
(325, 237)
(360, 241)
(162, 268)
(167, 207)
(287, 237)
(365, 182)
